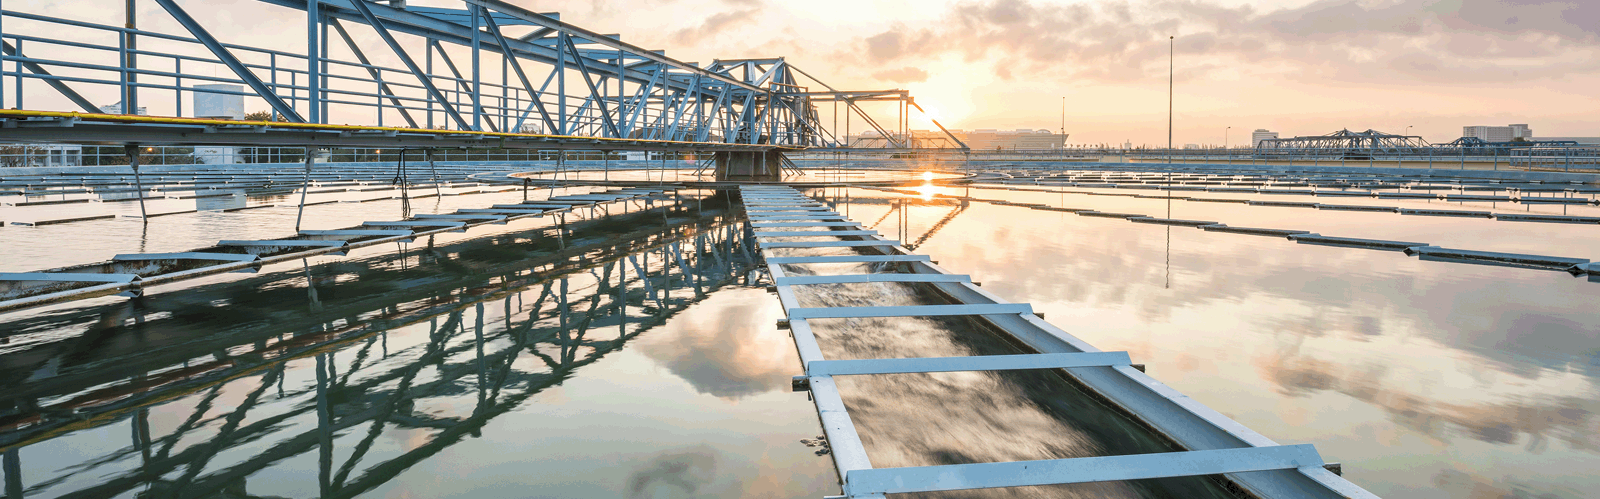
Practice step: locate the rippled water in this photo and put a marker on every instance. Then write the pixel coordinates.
(1425, 379)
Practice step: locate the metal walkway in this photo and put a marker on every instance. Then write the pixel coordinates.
(1578, 267)
(1215, 443)
(129, 274)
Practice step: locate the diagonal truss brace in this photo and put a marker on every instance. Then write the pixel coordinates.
(516, 65)
(59, 85)
(589, 80)
(227, 58)
(361, 5)
(462, 85)
(362, 58)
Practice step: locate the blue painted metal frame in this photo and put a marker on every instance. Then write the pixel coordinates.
(405, 58)
(228, 59)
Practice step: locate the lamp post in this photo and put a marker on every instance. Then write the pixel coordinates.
(1171, 49)
(1225, 143)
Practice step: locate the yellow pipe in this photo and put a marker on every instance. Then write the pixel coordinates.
(167, 120)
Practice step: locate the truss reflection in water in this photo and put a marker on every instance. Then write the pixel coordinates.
(438, 341)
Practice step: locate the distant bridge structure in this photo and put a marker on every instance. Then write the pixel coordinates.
(1345, 143)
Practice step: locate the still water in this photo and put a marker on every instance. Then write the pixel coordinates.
(1425, 379)
(638, 361)
(636, 357)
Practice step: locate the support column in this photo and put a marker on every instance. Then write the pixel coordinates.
(305, 187)
(130, 101)
(477, 85)
(314, 61)
(132, 151)
(747, 166)
(13, 472)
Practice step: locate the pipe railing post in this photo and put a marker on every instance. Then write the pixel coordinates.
(305, 187)
(132, 150)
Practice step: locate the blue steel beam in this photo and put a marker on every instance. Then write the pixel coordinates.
(530, 16)
(227, 58)
(587, 79)
(477, 80)
(313, 62)
(732, 97)
(361, 57)
(411, 23)
(516, 66)
(399, 51)
(60, 86)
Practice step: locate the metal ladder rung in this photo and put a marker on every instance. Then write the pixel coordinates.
(1079, 470)
(827, 244)
(780, 260)
(909, 311)
(67, 277)
(818, 233)
(459, 216)
(356, 232)
(972, 363)
(858, 278)
(818, 216)
(770, 225)
(226, 257)
(285, 243)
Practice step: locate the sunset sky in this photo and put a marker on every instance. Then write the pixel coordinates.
(1293, 66)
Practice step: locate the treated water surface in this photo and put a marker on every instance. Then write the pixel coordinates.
(631, 358)
(637, 356)
(1425, 379)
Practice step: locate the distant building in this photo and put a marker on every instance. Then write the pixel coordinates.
(1498, 133)
(1191, 146)
(117, 109)
(218, 102)
(1261, 134)
(41, 155)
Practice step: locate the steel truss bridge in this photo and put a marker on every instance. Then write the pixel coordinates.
(1364, 145)
(487, 75)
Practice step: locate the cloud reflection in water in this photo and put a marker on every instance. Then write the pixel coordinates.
(727, 346)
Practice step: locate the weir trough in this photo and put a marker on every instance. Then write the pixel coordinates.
(1214, 443)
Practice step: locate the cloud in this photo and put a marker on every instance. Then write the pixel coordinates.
(1472, 40)
(906, 74)
(713, 25)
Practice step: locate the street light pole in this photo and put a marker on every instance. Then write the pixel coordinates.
(1171, 61)
(1225, 143)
